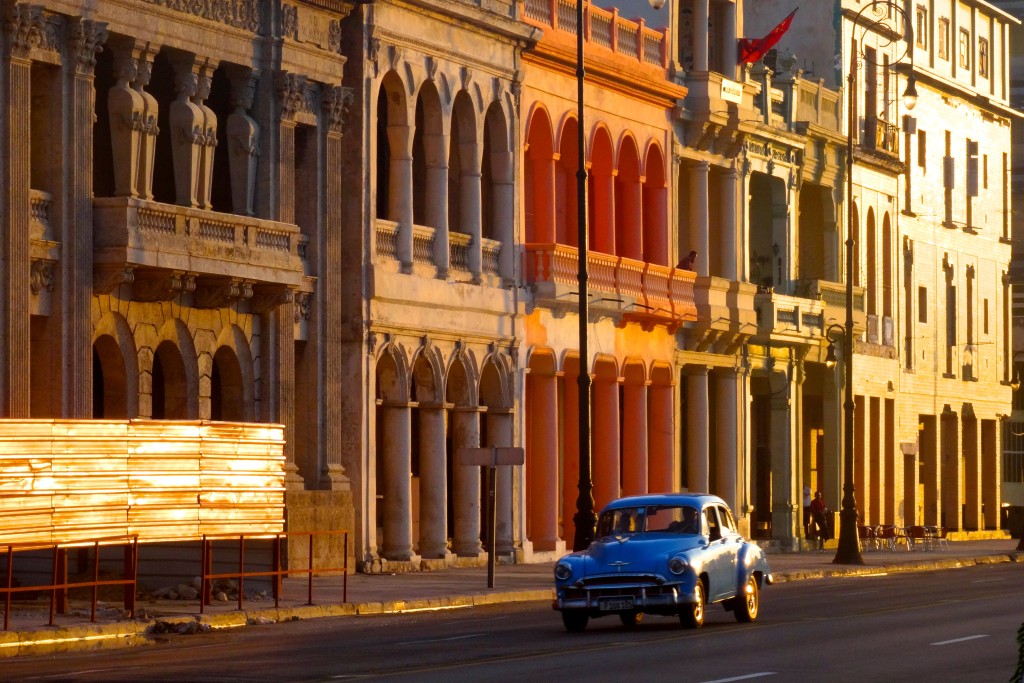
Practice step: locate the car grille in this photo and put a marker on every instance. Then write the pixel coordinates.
(620, 579)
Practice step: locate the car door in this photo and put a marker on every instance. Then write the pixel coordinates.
(731, 543)
(716, 561)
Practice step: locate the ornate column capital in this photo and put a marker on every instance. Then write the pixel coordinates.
(336, 101)
(294, 94)
(85, 39)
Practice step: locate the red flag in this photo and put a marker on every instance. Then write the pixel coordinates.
(751, 50)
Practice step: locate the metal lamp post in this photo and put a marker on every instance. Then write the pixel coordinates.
(848, 551)
(585, 518)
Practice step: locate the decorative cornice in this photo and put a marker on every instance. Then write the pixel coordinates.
(161, 285)
(243, 14)
(220, 294)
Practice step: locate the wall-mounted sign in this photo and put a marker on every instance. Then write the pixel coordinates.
(732, 91)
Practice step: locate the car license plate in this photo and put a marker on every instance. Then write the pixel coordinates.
(615, 604)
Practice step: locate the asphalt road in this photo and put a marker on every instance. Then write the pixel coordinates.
(955, 625)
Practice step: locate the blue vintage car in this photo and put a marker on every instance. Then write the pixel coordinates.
(669, 554)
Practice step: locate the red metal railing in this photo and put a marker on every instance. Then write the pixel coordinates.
(59, 583)
(276, 572)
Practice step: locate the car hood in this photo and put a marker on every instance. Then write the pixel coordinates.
(637, 553)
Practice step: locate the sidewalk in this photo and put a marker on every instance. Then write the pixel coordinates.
(395, 593)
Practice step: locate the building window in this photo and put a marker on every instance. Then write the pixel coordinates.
(965, 49)
(983, 57)
(985, 317)
(943, 39)
(922, 304)
(921, 37)
(984, 171)
(922, 149)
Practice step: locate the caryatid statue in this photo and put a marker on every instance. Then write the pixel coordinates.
(187, 136)
(150, 129)
(126, 108)
(204, 184)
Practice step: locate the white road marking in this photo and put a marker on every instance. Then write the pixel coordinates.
(743, 678)
(441, 640)
(861, 592)
(986, 580)
(960, 640)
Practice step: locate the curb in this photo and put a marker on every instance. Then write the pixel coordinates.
(120, 634)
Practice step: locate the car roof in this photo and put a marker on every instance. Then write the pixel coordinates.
(694, 499)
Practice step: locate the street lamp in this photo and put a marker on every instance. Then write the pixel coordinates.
(585, 518)
(848, 551)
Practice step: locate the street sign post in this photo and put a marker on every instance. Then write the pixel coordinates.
(492, 458)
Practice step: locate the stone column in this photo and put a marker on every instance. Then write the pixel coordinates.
(700, 37)
(469, 213)
(85, 40)
(187, 135)
(503, 212)
(330, 298)
(698, 441)
(542, 461)
(729, 55)
(501, 430)
(729, 226)
(629, 239)
(292, 91)
(204, 181)
(15, 181)
(605, 441)
(466, 482)
(635, 445)
(126, 109)
(243, 140)
(149, 129)
(435, 148)
(397, 478)
(570, 447)
(699, 222)
(728, 436)
(543, 201)
(400, 191)
(785, 494)
(433, 483)
(661, 439)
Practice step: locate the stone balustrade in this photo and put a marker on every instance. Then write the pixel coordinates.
(135, 233)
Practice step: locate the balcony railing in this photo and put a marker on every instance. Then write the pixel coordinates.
(645, 290)
(424, 237)
(881, 135)
(791, 316)
(136, 233)
(601, 27)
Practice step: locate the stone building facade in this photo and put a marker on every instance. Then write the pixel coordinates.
(358, 220)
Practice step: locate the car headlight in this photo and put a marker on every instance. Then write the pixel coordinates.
(563, 571)
(677, 565)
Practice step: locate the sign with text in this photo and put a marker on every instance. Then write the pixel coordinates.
(491, 456)
(732, 91)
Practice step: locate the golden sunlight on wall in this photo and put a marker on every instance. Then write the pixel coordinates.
(76, 480)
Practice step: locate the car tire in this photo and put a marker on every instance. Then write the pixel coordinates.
(631, 618)
(575, 620)
(692, 616)
(748, 604)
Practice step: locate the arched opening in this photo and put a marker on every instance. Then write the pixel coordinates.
(430, 467)
(628, 204)
(393, 462)
(871, 284)
(170, 384)
(109, 380)
(538, 178)
(227, 389)
(601, 194)
(886, 266)
(655, 208)
(566, 183)
(464, 432)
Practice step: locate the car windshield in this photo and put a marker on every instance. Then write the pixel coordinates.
(677, 519)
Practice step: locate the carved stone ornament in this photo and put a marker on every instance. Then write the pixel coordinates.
(161, 285)
(303, 303)
(85, 40)
(336, 103)
(334, 37)
(42, 276)
(291, 90)
(107, 278)
(266, 299)
(431, 67)
(28, 27)
(373, 49)
(290, 21)
(467, 77)
(220, 294)
(243, 14)
(395, 56)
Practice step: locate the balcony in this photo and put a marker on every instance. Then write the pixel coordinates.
(639, 292)
(166, 250)
(725, 315)
(789, 318)
(881, 136)
(833, 296)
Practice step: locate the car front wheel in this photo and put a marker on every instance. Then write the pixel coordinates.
(693, 615)
(575, 620)
(747, 604)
